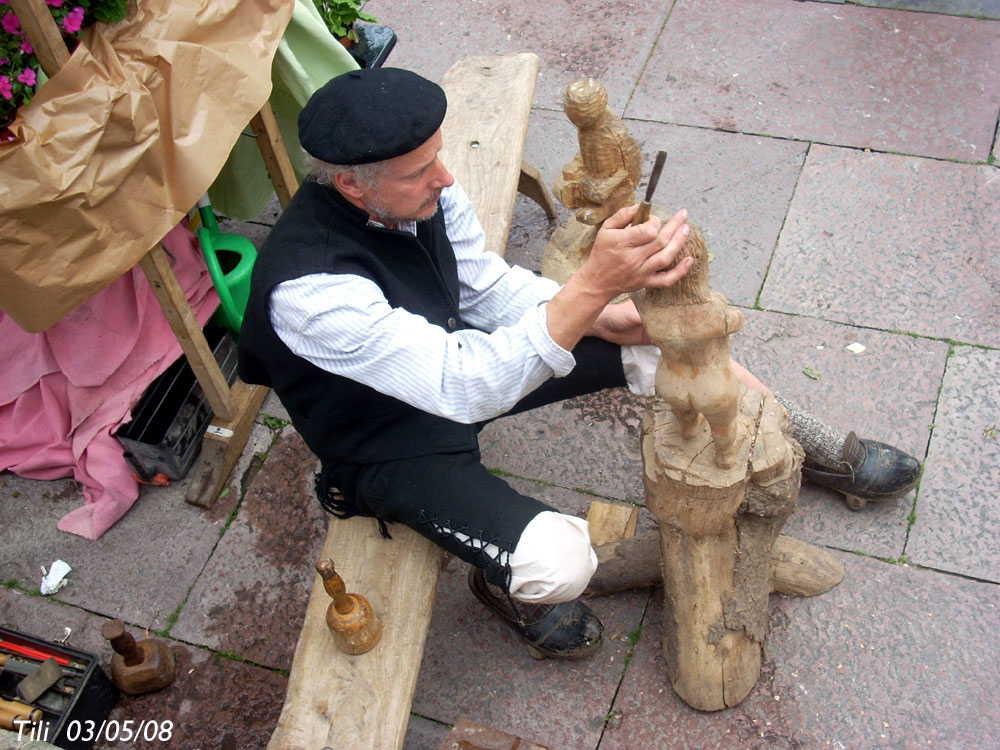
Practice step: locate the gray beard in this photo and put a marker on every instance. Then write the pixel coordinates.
(379, 214)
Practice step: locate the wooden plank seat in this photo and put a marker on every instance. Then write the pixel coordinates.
(341, 701)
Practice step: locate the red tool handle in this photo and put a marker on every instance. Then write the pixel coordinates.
(33, 653)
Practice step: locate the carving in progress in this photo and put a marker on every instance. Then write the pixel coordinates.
(720, 487)
(690, 324)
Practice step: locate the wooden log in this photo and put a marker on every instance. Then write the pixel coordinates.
(272, 150)
(611, 521)
(156, 266)
(222, 445)
(797, 568)
(717, 529)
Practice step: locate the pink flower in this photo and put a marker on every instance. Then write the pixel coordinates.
(26, 47)
(6, 91)
(73, 20)
(27, 77)
(55, 3)
(11, 24)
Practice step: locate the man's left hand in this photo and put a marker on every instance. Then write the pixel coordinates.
(620, 324)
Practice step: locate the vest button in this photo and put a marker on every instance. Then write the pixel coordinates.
(452, 324)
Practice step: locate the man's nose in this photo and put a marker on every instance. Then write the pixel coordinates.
(442, 177)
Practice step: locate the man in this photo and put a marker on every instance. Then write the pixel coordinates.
(391, 338)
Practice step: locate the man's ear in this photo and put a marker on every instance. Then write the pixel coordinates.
(348, 185)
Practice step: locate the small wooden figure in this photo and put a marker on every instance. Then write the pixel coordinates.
(350, 617)
(138, 666)
(691, 324)
(602, 177)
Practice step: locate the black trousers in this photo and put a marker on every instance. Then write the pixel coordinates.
(451, 498)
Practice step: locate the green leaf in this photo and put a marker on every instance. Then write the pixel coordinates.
(810, 372)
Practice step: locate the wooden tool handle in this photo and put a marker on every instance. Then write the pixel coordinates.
(334, 586)
(641, 214)
(122, 641)
(12, 710)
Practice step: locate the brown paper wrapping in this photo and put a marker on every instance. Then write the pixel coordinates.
(121, 143)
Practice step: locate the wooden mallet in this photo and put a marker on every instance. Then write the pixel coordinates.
(642, 213)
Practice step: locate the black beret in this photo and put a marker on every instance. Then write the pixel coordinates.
(370, 115)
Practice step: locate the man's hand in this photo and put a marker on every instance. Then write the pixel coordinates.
(620, 324)
(624, 258)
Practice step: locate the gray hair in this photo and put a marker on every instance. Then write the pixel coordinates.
(323, 172)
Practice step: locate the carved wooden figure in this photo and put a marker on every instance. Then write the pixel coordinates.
(691, 324)
(350, 618)
(720, 488)
(600, 179)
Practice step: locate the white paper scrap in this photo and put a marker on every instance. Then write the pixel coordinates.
(55, 579)
(855, 348)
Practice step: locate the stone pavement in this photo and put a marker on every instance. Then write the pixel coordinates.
(841, 159)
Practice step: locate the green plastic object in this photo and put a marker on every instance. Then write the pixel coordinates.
(230, 259)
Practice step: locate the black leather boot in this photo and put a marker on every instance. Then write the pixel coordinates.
(870, 470)
(559, 631)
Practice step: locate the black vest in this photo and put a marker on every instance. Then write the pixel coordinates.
(340, 419)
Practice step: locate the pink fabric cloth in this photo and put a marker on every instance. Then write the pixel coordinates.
(66, 391)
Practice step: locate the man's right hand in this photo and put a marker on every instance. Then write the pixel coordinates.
(623, 259)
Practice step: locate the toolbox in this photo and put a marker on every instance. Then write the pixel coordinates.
(170, 419)
(74, 709)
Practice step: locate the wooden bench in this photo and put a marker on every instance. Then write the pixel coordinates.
(341, 701)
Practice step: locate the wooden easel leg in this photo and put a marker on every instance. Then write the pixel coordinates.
(156, 265)
(223, 444)
(272, 148)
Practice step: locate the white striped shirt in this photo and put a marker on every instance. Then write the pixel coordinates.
(343, 323)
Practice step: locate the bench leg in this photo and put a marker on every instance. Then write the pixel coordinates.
(530, 184)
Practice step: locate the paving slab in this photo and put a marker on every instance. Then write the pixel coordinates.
(863, 77)
(971, 8)
(252, 595)
(892, 242)
(958, 520)
(736, 188)
(590, 442)
(139, 570)
(893, 657)
(888, 392)
(475, 667)
(424, 734)
(602, 39)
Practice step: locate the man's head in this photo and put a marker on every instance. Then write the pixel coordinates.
(375, 136)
